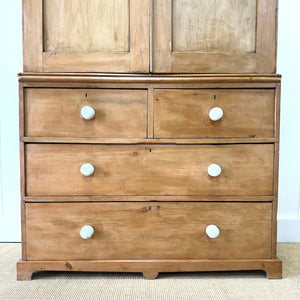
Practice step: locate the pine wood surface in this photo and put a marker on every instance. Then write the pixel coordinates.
(184, 113)
(273, 267)
(148, 230)
(151, 141)
(173, 26)
(57, 36)
(228, 26)
(56, 113)
(149, 170)
(73, 26)
(138, 198)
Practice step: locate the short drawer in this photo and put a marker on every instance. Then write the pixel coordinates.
(59, 169)
(151, 230)
(58, 113)
(187, 113)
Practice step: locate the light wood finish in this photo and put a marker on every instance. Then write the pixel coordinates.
(148, 231)
(32, 36)
(119, 113)
(179, 80)
(63, 140)
(221, 53)
(272, 267)
(150, 113)
(86, 26)
(184, 113)
(149, 170)
(135, 198)
(162, 37)
(150, 275)
(115, 53)
(277, 111)
(152, 70)
(214, 26)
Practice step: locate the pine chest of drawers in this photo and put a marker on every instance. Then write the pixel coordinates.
(149, 175)
(149, 136)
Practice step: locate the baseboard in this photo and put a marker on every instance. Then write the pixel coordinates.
(288, 231)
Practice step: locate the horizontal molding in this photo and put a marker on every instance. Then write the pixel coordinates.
(288, 231)
(73, 140)
(152, 78)
(167, 198)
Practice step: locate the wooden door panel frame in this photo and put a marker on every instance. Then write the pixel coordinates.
(263, 60)
(134, 61)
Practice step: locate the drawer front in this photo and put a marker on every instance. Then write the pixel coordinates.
(148, 169)
(148, 230)
(185, 113)
(57, 113)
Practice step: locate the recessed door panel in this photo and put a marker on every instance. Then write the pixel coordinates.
(86, 36)
(221, 36)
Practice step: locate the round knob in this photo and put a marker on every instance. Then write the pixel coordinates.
(214, 170)
(88, 113)
(86, 232)
(87, 169)
(216, 114)
(212, 231)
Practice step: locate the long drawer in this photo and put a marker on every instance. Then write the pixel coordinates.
(58, 169)
(223, 113)
(148, 230)
(109, 113)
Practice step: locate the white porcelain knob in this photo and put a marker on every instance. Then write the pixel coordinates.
(212, 231)
(214, 170)
(86, 232)
(88, 113)
(87, 169)
(216, 114)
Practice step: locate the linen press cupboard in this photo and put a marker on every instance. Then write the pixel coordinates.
(149, 136)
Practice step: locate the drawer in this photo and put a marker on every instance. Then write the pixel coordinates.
(55, 169)
(57, 113)
(151, 230)
(185, 113)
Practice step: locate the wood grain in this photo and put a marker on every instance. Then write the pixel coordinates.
(266, 40)
(226, 53)
(86, 26)
(150, 113)
(135, 141)
(136, 198)
(32, 36)
(56, 113)
(273, 267)
(140, 36)
(214, 26)
(184, 113)
(148, 231)
(86, 62)
(177, 80)
(114, 37)
(162, 36)
(149, 170)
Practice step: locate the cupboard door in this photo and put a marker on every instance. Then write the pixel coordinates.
(221, 36)
(86, 35)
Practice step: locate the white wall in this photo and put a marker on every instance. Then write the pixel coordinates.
(289, 163)
(10, 65)
(288, 66)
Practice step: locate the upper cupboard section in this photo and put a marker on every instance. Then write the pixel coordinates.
(86, 35)
(142, 36)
